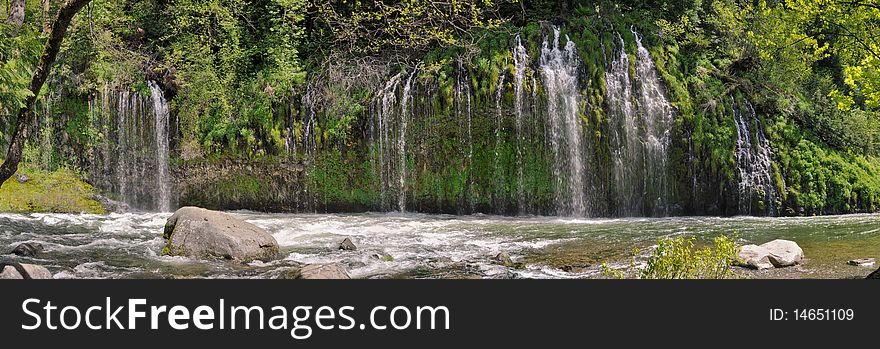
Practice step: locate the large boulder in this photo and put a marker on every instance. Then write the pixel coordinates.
(784, 253)
(323, 272)
(201, 233)
(10, 271)
(755, 257)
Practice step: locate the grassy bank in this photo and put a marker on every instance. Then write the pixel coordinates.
(60, 191)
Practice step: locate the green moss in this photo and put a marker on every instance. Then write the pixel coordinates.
(61, 191)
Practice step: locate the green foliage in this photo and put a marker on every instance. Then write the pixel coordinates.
(59, 191)
(679, 258)
(236, 62)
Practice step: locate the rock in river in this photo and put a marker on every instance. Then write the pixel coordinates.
(784, 253)
(201, 233)
(776, 253)
(11, 271)
(755, 257)
(347, 245)
(323, 271)
(27, 249)
(862, 262)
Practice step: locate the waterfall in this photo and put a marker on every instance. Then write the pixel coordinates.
(132, 160)
(405, 103)
(391, 117)
(499, 124)
(640, 118)
(559, 68)
(624, 142)
(161, 114)
(520, 60)
(658, 116)
(754, 162)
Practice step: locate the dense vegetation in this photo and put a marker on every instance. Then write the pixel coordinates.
(278, 81)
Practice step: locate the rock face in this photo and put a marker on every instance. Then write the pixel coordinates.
(784, 253)
(27, 249)
(323, 272)
(776, 253)
(33, 271)
(755, 257)
(347, 245)
(201, 233)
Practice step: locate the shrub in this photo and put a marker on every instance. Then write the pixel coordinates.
(679, 258)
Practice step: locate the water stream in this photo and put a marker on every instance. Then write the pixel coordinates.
(429, 246)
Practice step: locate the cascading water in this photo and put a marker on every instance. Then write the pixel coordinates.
(520, 61)
(559, 68)
(161, 114)
(754, 162)
(405, 103)
(658, 116)
(132, 162)
(641, 121)
(499, 122)
(624, 142)
(391, 117)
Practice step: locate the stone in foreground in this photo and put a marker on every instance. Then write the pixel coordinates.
(862, 262)
(200, 233)
(784, 253)
(755, 257)
(34, 271)
(347, 245)
(330, 271)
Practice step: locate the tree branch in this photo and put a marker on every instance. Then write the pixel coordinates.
(26, 114)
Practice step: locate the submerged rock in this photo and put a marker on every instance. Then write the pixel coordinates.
(382, 256)
(9, 271)
(347, 245)
(201, 233)
(330, 271)
(755, 257)
(112, 205)
(863, 262)
(27, 249)
(784, 253)
(503, 258)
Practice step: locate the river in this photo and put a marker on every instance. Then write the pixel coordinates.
(430, 246)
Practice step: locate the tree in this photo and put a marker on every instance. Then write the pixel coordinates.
(373, 26)
(26, 113)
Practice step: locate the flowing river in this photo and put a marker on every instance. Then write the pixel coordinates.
(429, 246)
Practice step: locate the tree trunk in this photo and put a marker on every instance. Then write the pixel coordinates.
(46, 24)
(16, 15)
(26, 113)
